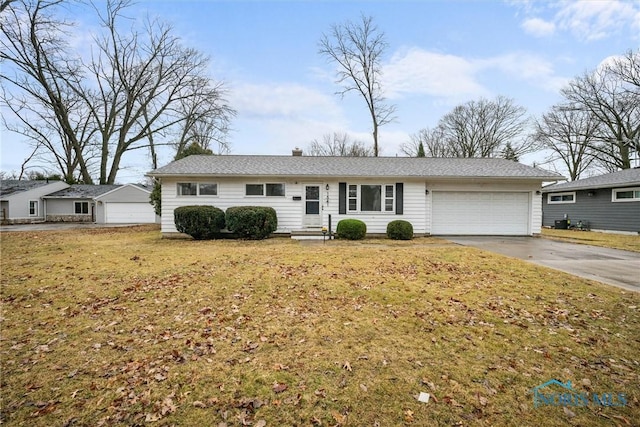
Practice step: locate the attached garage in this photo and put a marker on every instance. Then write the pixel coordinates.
(129, 213)
(480, 212)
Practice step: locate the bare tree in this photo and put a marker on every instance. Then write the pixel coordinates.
(483, 128)
(338, 144)
(569, 133)
(357, 49)
(614, 103)
(431, 139)
(130, 95)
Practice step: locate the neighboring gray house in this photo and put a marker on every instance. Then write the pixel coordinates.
(609, 202)
(21, 201)
(56, 201)
(101, 204)
(437, 196)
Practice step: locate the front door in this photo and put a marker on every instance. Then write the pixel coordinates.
(312, 207)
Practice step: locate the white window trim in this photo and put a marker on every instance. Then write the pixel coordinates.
(264, 189)
(80, 201)
(572, 193)
(616, 200)
(197, 184)
(383, 199)
(37, 209)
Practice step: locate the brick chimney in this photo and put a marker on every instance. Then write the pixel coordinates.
(296, 152)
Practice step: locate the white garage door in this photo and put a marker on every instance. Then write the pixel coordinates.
(472, 213)
(132, 213)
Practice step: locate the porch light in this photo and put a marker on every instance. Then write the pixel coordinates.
(426, 191)
(326, 187)
(591, 193)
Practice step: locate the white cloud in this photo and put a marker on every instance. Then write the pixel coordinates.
(586, 20)
(530, 68)
(454, 78)
(417, 71)
(538, 27)
(281, 100)
(594, 20)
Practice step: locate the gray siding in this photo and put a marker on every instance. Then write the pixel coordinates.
(598, 210)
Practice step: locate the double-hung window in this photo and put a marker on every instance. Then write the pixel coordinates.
(269, 190)
(33, 207)
(197, 189)
(626, 194)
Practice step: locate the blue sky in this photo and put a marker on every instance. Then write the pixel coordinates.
(441, 53)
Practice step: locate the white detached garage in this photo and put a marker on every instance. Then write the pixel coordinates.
(126, 204)
(438, 196)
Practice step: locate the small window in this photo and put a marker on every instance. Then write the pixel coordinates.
(275, 190)
(187, 189)
(33, 207)
(269, 190)
(254, 190)
(208, 189)
(353, 197)
(81, 208)
(626, 195)
(561, 198)
(388, 198)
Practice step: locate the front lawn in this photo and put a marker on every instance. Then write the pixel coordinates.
(626, 242)
(120, 327)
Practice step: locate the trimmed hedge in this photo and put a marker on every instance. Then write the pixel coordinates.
(252, 222)
(400, 230)
(199, 221)
(351, 229)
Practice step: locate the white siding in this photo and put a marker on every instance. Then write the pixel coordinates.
(231, 192)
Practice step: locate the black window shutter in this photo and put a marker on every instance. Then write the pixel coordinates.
(399, 198)
(342, 198)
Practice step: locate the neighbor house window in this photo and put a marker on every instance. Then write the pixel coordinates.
(561, 198)
(197, 189)
(33, 208)
(269, 190)
(626, 194)
(371, 198)
(81, 208)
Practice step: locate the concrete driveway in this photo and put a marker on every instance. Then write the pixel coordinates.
(610, 266)
(56, 226)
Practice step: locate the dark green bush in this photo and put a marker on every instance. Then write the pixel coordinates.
(252, 222)
(400, 230)
(351, 229)
(199, 222)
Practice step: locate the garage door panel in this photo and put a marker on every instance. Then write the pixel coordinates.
(497, 213)
(133, 213)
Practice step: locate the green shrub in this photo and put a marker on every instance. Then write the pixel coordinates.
(199, 222)
(351, 229)
(400, 230)
(252, 222)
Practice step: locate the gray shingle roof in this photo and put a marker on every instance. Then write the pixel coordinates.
(81, 191)
(310, 166)
(627, 177)
(14, 186)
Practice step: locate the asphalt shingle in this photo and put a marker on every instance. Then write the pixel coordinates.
(311, 166)
(627, 177)
(81, 191)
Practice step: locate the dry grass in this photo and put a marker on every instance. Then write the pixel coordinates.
(121, 327)
(607, 240)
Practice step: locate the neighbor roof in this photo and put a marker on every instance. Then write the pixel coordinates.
(311, 166)
(9, 187)
(626, 178)
(81, 191)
